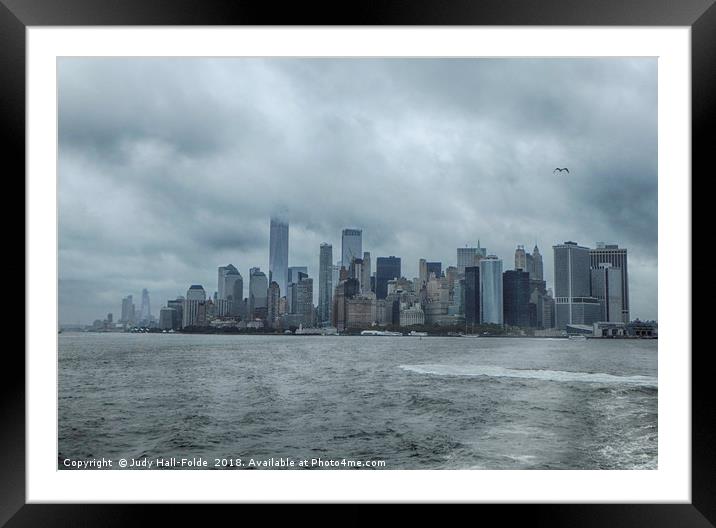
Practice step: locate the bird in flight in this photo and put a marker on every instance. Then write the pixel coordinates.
(560, 170)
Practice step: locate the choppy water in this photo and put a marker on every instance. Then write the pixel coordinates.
(452, 403)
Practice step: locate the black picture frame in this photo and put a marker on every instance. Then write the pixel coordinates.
(699, 15)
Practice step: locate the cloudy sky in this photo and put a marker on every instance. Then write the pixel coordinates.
(169, 168)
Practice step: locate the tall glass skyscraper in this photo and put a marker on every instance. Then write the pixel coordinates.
(386, 268)
(325, 283)
(491, 290)
(351, 246)
(472, 295)
(516, 297)
(278, 254)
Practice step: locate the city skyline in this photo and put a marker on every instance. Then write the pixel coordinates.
(158, 200)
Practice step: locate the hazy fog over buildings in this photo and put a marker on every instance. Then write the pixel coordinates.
(170, 168)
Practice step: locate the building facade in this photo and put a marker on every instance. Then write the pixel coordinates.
(516, 298)
(574, 303)
(491, 310)
(278, 253)
(386, 268)
(617, 257)
(351, 246)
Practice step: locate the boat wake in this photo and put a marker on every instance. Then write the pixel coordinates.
(545, 375)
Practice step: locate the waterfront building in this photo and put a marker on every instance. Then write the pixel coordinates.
(516, 298)
(471, 307)
(360, 311)
(167, 318)
(278, 253)
(258, 294)
(412, 315)
(574, 303)
(345, 289)
(325, 283)
(351, 246)
(194, 307)
(272, 310)
(145, 312)
(127, 310)
(304, 301)
(617, 257)
(386, 268)
(607, 287)
(491, 310)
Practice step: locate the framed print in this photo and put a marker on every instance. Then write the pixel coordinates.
(424, 251)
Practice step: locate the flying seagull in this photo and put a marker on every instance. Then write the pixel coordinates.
(560, 170)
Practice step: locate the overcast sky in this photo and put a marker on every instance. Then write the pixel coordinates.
(169, 168)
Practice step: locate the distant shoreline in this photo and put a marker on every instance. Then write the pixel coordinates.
(277, 334)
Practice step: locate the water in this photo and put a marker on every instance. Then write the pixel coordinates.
(430, 403)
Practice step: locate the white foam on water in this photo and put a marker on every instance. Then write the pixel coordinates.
(546, 375)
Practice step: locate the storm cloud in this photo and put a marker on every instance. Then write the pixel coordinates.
(171, 167)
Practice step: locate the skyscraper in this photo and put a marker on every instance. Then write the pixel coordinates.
(617, 257)
(607, 287)
(127, 310)
(491, 290)
(325, 283)
(229, 269)
(434, 267)
(294, 274)
(386, 268)
(278, 253)
(365, 279)
(422, 271)
(537, 264)
(574, 303)
(274, 295)
(194, 309)
(469, 256)
(520, 258)
(258, 294)
(351, 246)
(145, 312)
(471, 294)
(304, 300)
(516, 297)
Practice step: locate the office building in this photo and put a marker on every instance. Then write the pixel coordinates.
(351, 246)
(516, 298)
(325, 283)
(366, 272)
(617, 257)
(574, 303)
(386, 268)
(491, 310)
(127, 310)
(537, 271)
(471, 302)
(278, 253)
(272, 310)
(194, 307)
(258, 294)
(607, 287)
(520, 258)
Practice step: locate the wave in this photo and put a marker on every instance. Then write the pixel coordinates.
(545, 375)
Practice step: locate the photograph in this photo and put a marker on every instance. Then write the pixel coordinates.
(357, 263)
